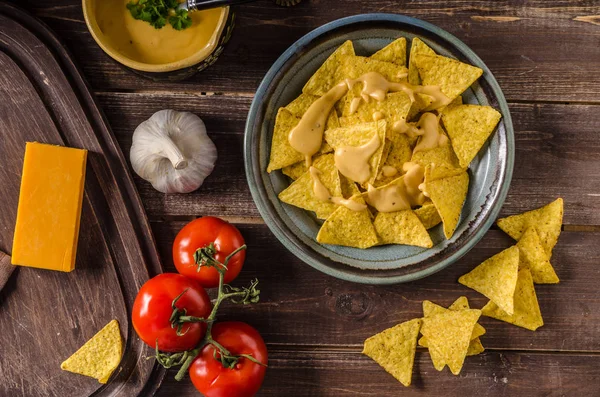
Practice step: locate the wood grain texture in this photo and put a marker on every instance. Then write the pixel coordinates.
(6, 269)
(334, 373)
(301, 306)
(46, 316)
(557, 154)
(534, 48)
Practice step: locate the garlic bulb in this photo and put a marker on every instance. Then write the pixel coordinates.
(172, 151)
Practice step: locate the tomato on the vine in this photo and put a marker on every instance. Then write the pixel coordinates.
(200, 233)
(152, 310)
(212, 379)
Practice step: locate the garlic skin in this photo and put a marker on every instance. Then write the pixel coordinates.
(172, 151)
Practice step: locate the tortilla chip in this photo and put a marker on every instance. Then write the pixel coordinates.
(533, 257)
(475, 347)
(416, 47)
(526, 309)
(325, 77)
(428, 215)
(393, 108)
(357, 135)
(455, 102)
(440, 156)
(352, 67)
(546, 220)
(99, 356)
(349, 228)
(400, 153)
(394, 349)
(402, 227)
(395, 52)
(448, 195)
(448, 335)
(469, 127)
(349, 188)
(421, 103)
(301, 194)
(295, 171)
(496, 278)
(453, 77)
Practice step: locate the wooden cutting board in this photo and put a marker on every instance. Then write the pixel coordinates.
(45, 316)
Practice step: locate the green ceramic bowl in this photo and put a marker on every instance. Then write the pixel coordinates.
(490, 171)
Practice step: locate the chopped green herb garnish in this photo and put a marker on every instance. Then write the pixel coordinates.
(158, 12)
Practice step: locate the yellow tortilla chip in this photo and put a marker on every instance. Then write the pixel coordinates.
(349, 228)
(546, 220)
(462, 303)
(394, 349)
(442, 156)
(496, 278)
(449, 335)
(475, 347)
(448, 195)
(402, 227)
(352, 67)
(421, 103)
(400, 153)
(325, 77)
(533, 257)
(428, 215)
(416, 47)
(99, 356)
(357, 135)
(468, 127)
(301, 194)
(527, 309)
(393, 108)
(395, 52)
(349, 188)
(295, 171)
(455, 102)
(453, 77)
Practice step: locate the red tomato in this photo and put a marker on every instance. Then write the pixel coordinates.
(152, 311)
(213, 380)
(199, 233)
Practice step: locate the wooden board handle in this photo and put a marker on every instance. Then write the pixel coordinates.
(6, 269)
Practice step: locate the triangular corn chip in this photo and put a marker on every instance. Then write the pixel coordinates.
(546, 220)
(527, 309)
(468, 127)
(394, 349)
(357, 135)
(453, 77)
(395, 52)
(352, 67)
(349, 188)
(448, 195)
(295, 171)
(455, 102)
(325, 77)
(442, 156)
(428, 215)
(475, 347)
(449, 335)
(301, 193)
(402, 227)
(496, 278)
(416, 47)
(400, 153)
(393, 108)
(349, 228)
(462, 303)
(534, 257)
(99, 356)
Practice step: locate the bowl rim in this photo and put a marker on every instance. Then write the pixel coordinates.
(277, 227)
(92, 26)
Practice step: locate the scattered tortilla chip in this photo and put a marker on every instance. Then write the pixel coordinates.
(416, 47)
(325, 77)
(442, 156)
(526, 309)
(453, 77)
(395, 52)
(301, 194)
(462, 303)
(402, 227)
(546, 220)
(496, 278)
(357, 135)
(349, 228)
(469, 127)
(533, 257)
(428, 215)
(448, 195)
(475, 347)
(394, 349)
(99, 356)
(449, 335)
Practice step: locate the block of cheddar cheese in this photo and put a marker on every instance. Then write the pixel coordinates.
(49, 210)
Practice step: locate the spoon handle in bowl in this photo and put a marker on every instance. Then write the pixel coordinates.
(193, 5)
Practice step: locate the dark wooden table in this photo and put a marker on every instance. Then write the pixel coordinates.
(545, 55)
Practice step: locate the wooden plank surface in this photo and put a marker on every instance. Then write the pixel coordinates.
(550, 161)
(538, 50)
(334, 373)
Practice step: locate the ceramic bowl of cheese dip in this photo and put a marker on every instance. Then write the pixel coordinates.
(159, 54)
(297, 229)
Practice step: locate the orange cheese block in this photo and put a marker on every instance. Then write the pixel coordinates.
(49, 210)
